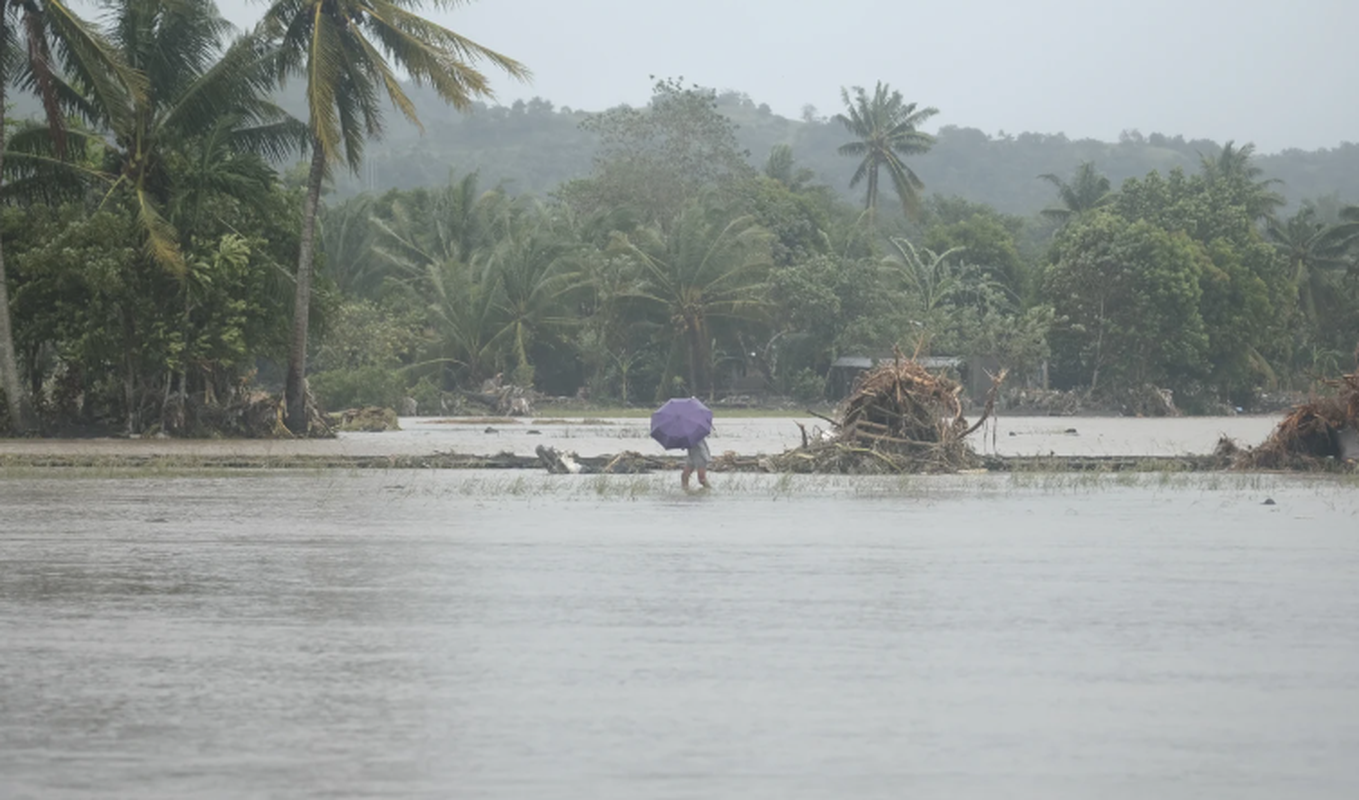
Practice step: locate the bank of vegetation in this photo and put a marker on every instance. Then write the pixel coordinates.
(158, 240)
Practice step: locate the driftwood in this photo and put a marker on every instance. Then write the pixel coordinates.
(899, 418)
(628, 462)
(1322, 433)
(369, 419)
(505, 401)
(260, 415)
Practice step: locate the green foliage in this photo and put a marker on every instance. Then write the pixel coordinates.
(361, 333)
(355, 388)
(663, 264)
(1129, 293)
(659, 159)
(702, 278)
(984, 240)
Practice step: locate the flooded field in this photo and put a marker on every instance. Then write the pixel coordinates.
(1022, 436)
(490, 635)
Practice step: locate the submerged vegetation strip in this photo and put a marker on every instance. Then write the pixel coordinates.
(623, 463)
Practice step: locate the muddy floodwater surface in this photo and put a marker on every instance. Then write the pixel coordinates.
(491, 635)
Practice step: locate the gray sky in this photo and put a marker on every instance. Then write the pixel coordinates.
(1276, 73)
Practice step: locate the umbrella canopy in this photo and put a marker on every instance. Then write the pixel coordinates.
(681, 423)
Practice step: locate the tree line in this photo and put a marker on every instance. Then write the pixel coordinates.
(679, 266)
(532, 146)
(148, 227)
(158, 248)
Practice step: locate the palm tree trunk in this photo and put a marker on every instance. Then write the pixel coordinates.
(20, 412)
(295, 388)
(693, 345)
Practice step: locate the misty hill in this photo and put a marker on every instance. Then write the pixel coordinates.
(535, 146)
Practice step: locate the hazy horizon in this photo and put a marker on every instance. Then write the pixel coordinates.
(1273, 74)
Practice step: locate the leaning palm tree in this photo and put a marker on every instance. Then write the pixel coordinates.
(206, 95)
(1087, 191)
(885, 129)
(40, 40)
(346, 50)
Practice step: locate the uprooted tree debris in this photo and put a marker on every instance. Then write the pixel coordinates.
(900, 418)
(259, 415)
(1320, 434)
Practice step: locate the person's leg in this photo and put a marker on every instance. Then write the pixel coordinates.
(703, 477)
(684, 477)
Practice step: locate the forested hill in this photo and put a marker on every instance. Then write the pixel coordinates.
(534, 146)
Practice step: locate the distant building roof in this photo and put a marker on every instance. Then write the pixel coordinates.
(866, 362)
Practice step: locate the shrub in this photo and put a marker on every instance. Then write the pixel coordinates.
(353, 388)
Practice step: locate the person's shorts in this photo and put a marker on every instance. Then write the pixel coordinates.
(698, 456)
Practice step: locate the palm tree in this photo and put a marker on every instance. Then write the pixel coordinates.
(453, 222)
(929, 277)
(1087, 191)
(885, 129)
(1233, 171)
(205, 106)
(1345, 233)
(463, 317)
(184, 138)
(1313, 250)
(528, 267)
(349, 236)
(703, 269)
(39, 39)
(346, 50)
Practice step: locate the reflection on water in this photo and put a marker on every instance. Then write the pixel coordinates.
(410, 634)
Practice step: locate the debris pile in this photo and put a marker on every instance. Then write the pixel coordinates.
(628, 462)
(899, 418)
(369, 419)
(1322, 433)
(261, 415)
(506, 400)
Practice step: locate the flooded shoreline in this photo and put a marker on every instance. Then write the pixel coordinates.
(437, 443)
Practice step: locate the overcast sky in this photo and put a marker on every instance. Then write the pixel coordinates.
(1280, 74)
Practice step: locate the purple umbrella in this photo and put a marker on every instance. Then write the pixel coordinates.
(681, 423)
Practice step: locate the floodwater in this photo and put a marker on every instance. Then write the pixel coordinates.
(1022, 436)
(426, 634)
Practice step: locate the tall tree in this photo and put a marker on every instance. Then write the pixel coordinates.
(1087, 191)
(30, 34)
(660, 158)
(346, 50)
(885, 129)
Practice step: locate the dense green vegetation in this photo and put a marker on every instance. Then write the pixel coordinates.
(158, 239)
